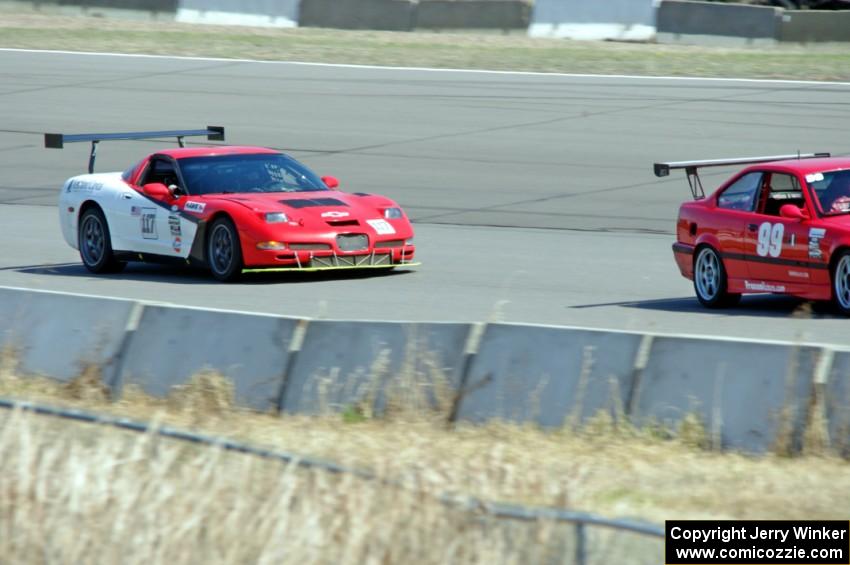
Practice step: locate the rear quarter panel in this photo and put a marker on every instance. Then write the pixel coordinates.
(102, 188)
(702, 223)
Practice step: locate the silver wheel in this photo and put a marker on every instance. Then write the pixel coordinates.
(92, 240)
(707, 274)
(221, 249)
(842, 283)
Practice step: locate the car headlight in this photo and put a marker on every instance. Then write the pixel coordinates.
(408, 241)
(276, 218)
(393, 213)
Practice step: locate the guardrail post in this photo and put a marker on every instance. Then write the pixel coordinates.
(641, 361)
(581, 548)
(470, 351)
(295, 343)
(114, 381)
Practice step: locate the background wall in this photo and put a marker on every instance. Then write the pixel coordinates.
(667, 21)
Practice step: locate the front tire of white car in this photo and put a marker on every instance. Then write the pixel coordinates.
(95, 243)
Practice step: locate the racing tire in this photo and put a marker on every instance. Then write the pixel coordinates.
(710, 280)
(95, 243)
(841, 283)
(224, 251)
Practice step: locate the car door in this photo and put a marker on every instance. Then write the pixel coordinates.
(734, 211)
(143, 221)
(777, 248)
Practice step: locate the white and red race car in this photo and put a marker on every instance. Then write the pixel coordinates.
(232, 209)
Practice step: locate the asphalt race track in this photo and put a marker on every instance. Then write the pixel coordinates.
(533, 195)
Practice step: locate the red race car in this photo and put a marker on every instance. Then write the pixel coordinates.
(230, 209)
(781, 225)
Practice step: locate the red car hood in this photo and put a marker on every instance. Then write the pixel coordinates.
(325, 205)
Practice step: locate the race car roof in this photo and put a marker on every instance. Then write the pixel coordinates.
(185, 152)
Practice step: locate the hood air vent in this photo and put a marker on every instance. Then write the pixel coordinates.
(312, 202)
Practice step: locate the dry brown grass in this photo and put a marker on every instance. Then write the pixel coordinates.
(82, 494)
(599, 467)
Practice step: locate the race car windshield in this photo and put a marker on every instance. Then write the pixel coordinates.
(261, 172)
(832, 190)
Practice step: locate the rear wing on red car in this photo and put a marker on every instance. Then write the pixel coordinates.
(692, 167)
(58, 140)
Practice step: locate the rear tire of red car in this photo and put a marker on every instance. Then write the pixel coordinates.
(224, 251)
(710, 281)
(95, 243)
(841, 283)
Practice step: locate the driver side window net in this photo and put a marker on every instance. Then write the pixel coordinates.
(783, 189)
(741, 194)
(161, 171)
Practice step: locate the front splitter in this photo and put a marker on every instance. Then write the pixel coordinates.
(297, 269)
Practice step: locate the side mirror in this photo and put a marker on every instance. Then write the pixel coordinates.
(330, 182)
(793, 212)
(157, 190)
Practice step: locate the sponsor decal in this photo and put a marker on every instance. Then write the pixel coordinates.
(148, 222)
(762, 286)
(135, 211)
(798, 274)
(174, 225)
(197, 207)
(334, 214)
(814, 177)
(815, 235)
(381, 227)
(84, 186)
(177, 244)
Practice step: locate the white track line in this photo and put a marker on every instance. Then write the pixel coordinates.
(792, 343)
(425, 69)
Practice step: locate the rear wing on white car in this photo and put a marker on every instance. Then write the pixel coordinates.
(58, 140)
(692, 167)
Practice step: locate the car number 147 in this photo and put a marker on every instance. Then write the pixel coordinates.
(770, 239)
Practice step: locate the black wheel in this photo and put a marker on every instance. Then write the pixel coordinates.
(841, 283)
(95, 244)
(710, 282)
(224, 252)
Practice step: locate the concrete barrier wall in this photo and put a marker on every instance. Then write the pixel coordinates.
(749, 396)
(390, 15)
(592, 19)
(709, 22)
(810, 26)
(263, 13)
(550, 376)
(668, 21)
(156, 6)
(837, 404)
(58, 335)
(171, 345)
(344, 365)
(470, 14)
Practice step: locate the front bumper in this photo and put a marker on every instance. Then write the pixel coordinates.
(337, 263)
